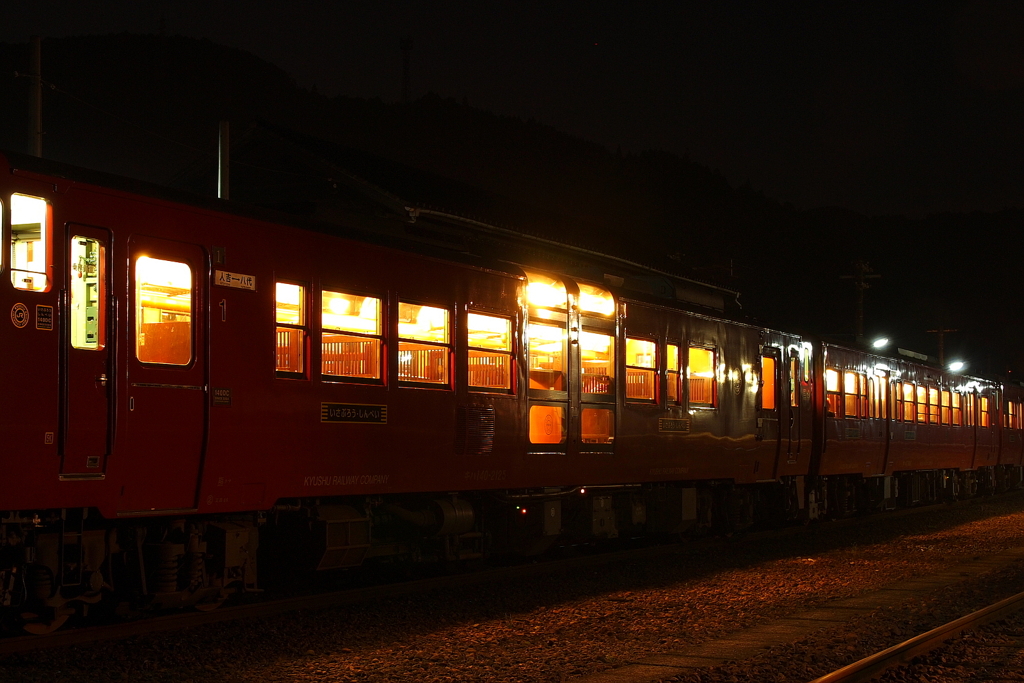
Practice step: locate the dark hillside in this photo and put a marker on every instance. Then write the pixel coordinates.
(148, 107)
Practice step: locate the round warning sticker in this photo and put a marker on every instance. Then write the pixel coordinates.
(19, 315)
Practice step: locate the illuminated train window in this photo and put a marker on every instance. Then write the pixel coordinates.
(767, 383)
(291, 329)
(909, 408)
(856, 394)
(490, 352)
(672, 373)
(86, 293)
(597, 357)
(947, 407)
(351, 341)
(596, 300)
(30, 243)
(544, 291)
(832, 393)
(546, 349)
(163, 311)
(986, 417)
(700, 373)
(547, 424)
(957, 412)
(597, 425)
(641, 357)
(423, 344)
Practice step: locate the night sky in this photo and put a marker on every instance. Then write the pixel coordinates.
(879, 107)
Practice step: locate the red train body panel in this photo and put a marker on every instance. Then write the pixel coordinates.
(197, 376)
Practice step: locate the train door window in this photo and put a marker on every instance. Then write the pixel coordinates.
(546, 347)
(86, 295)
(970, 416)
(700, 375)
(423, 344)
(1008, 415)
(933, 405)
(794, 382)
(597, 358)
(641, 356)
(490, 352)
(292, 329)
(946, 407)
(163, 315)
(832, 393)
(351, 337)
(957, 412)
(879, 392)
(767, 383)
(547, 424)
(672, 373)
(986, 418)
(30, 243)
(897, 401)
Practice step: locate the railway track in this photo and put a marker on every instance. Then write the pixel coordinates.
(577, 566)
(872, 667)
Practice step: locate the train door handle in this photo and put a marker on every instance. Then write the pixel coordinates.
(102, 380)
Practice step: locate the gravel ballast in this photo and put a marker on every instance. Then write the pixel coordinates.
(573, 624)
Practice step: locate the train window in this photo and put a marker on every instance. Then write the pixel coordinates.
(700, 375)
(596, 300)
(794, 382)
(292, 331)
(86, 293)
(672, 373)
(946, 406)
(351, 340)
(597, 358)
(897, 401)
(832, 394)
(547, 356)
(1008, 415)
(546, 292)
(641, 357)
(878, 396)
(922, 405)
(423, 344)
(547, 424)
(597, 425)
(767, 383)
(909, 409)
(855, 394)
(30, 243)
(490, 352)
(163, 313)
(933, 405)
(986, 418)
(957, 413)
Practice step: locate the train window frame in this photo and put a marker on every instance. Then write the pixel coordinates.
(170, 337)
(342, 334)
(768, 382)
(423, 343)
(673, 376)
(946, 407)
(18, 250)
(855, 394)
(643, 367)
(957, 408)
(710, 352)
(984, 414)
(502, 352)
(296, 333)
(557, 378)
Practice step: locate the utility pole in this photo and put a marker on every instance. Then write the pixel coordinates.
(942, 331)
(862, 274)
(35, 99)
(406, 45)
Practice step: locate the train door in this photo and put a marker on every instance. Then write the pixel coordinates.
(770, 409)
(792, 423)
(595, 392)
(86, 424)
(165, 396)
(547, 345)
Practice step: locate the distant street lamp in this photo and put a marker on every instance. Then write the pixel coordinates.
(880, 343)
(956, 366)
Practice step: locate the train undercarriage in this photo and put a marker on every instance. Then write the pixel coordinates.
(59, 564)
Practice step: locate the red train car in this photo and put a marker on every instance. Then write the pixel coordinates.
(191, 383)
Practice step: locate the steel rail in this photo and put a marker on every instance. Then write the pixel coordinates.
(872, 666)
